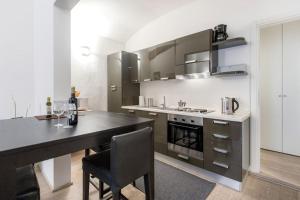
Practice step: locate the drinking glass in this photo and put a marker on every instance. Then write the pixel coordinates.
(58, 110)
(69, 110)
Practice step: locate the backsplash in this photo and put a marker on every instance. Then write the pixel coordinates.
(205, 93)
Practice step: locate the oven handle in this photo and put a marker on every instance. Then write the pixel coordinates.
(182, 126)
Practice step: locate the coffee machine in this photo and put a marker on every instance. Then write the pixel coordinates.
(220, 33)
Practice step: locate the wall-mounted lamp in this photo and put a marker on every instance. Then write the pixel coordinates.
(85, 51)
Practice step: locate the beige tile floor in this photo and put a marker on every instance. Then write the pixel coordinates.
(281, 166)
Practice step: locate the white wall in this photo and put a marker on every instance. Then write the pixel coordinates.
(62, 53)
(89, 73)
(16, 56)
(242, 18)
(43, 54)
(198, 16)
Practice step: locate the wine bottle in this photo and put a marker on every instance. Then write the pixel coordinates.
(73, 120)
(49, 107)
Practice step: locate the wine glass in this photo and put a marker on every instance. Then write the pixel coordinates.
(58, 110)
(69, 110)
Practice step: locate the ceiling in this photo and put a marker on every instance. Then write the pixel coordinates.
(119, 19)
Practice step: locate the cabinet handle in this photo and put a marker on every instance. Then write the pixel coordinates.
(190, 61)
(148, 79)
(164, 78)
(131, 111)
(153, 114)
(183, 156)
(220, 122)
(219, 150)
(220, 136)
(113, 88)
(219, 164)
(135, 81)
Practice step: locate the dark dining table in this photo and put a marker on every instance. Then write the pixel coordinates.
(28, 140)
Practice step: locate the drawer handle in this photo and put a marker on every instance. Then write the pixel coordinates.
(220, 136)
(183, 157)
(190, 61)
(219, 150)
(220, 122)
(164, 78)
(131, 111)
(148, 79)
(220, 164)
(153, 114)
(135, 81)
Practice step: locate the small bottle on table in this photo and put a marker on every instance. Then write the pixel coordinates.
(49, 107)
(73, 120)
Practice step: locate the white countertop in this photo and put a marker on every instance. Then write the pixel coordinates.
(239, 116)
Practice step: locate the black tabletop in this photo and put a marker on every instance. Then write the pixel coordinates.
(16, 134)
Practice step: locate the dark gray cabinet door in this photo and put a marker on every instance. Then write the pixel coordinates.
(114, 98)
(130, 73)
(144, 65)
(194, 43)
(114, 69)
(162, 61)
(114, 79)
(130, 79)
(160, 129)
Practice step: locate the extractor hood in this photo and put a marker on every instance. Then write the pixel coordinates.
(196, 66)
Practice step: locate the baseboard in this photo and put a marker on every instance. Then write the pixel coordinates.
(275, 181)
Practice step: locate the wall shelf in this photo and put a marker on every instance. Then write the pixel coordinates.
(240, 69)
(230, 73)
(239, 41)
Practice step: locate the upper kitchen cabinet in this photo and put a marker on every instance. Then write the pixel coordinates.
(144, 65)
(121, 75)
(130, 68)
(195, 43)
(162, 61)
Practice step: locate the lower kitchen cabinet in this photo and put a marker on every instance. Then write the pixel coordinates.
(160, 128)
(226, 147)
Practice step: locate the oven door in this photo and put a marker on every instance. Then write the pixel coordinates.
(186, 140)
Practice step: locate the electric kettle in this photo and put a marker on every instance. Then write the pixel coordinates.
(229, 105)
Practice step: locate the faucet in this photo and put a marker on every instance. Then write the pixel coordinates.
(164, 104)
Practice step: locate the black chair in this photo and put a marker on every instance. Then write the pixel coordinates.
(128, 160)
(27, 184)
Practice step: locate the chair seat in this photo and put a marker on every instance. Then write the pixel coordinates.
(27, 184)
(98, 165)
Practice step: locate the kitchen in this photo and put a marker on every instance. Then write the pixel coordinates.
(190, 70)
(182, 131)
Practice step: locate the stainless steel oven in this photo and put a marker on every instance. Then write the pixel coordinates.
(185, 136)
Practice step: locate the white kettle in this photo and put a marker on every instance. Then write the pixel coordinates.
(229, 105)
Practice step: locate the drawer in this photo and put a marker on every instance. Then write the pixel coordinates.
(190, 160)
(220, 129)
(130, 111)
(227, 151)
(229, 170)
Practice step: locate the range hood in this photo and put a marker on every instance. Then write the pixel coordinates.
(196, 66)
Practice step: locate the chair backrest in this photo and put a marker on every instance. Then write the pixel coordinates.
(131, 156)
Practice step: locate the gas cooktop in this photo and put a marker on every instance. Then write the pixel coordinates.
(194, 110)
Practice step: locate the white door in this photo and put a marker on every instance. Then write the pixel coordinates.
(271, 87)
(291, 88)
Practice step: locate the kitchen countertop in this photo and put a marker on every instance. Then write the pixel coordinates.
(239, 116)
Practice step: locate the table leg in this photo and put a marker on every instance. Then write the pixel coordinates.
(151, 174)
(7, 180)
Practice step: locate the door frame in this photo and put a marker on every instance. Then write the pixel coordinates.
(255, 83)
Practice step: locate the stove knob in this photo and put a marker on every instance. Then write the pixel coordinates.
(183, 120)
(175, 118)
(192, 121)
